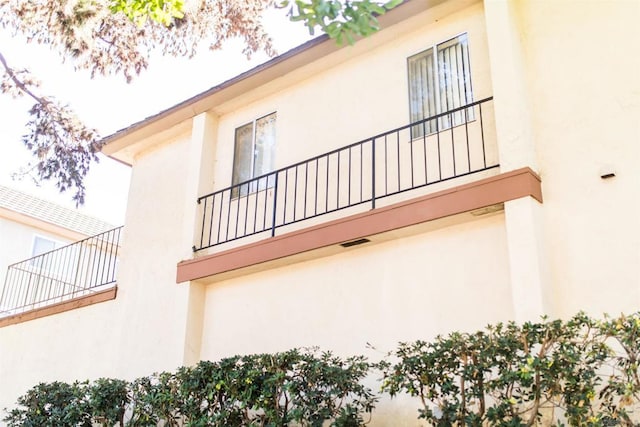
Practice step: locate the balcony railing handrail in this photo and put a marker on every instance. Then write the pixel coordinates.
(346, 147)
(451, 143)
(74, 270)
(78, 242)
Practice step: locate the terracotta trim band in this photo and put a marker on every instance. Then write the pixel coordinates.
(98, 297)
(460, 199)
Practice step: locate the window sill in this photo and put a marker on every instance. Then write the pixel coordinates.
(429, 135)
(253, 193)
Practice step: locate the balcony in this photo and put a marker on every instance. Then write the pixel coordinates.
(393, 166)
(72, 276)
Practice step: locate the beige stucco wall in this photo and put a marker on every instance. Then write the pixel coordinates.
(143, 329)
(18, 356)
(583, 75)
(74, 345)
(331, 108)
(576, 87)
(154, 309)
(454, 278)
(68, 346)
(567, 104)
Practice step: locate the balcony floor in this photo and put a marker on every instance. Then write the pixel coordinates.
(415, 215)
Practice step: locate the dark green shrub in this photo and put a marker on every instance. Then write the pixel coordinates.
(538, 373)
(108, 399)
(581, 372)
(301, 387)
(54, 404)
(620, 396)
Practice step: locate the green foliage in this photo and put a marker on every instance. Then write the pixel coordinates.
(621, 394)
(340, 20)
(302, 387)
(55, 404)
(537, 373)
(112, 37)
(161, 11)
(108, 399)
(297, 387)
(581, 372)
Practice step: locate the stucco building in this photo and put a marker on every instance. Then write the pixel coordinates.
(472, 162)
(33, 260)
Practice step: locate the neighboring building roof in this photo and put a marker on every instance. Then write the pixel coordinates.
(43, 210)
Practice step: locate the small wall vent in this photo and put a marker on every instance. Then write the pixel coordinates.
(487, 210)
(354, 243)
(607, 171)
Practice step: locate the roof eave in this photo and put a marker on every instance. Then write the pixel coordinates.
(287, 62)
(204, 101)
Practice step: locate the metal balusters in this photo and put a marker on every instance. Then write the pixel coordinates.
(65, 273)
(285, 195)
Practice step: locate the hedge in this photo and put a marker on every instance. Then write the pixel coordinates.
(581, 372)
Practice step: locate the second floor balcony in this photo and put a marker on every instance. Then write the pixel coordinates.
(71, 276)
(392, 166)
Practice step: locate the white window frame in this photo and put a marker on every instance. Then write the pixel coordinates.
(443, 122)
(56, 244)
(255, 186)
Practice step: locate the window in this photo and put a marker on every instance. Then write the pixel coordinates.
(254, 154)
(439, 81)
(42, 245)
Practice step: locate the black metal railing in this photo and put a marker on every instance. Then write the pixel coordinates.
(72, 271)
(439, 148)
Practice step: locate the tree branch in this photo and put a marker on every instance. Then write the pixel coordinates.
(19, 83)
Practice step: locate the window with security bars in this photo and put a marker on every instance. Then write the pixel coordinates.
(440, 81)
(254, 155)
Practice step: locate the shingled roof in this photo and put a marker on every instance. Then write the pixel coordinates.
(52, 213)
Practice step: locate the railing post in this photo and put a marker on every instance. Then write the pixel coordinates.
(373, 173)
(275, 205)
(204, 215)
(442, 122)
(4, 289)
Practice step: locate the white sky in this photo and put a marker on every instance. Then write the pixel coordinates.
(109, 104)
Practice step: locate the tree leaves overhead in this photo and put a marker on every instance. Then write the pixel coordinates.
(117, 37)
(139, 11)
(62, 146)
(90, 35)
(342, 21)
